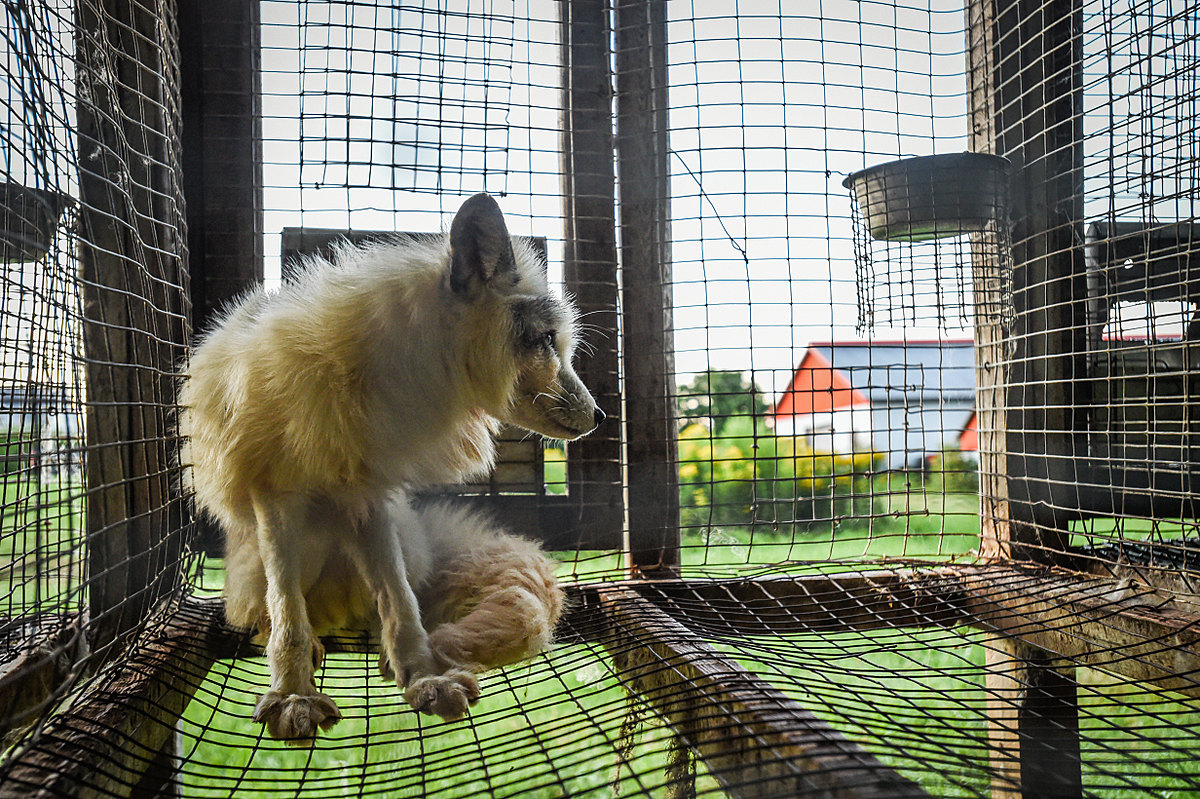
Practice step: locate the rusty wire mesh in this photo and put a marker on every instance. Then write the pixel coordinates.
(935, 519)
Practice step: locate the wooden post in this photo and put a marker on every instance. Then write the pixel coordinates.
(755, 740)
(642, 146)
(1048, 720)
(1024, 92)
(1034, 718)
(594, 480)
(135, 317)
(221, 102)
(116, 737)
(990, 281)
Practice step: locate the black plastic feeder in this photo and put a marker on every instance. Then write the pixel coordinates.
(931, 197)
(28, 220)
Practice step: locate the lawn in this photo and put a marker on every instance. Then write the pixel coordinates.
(41, 543)
(552, 728)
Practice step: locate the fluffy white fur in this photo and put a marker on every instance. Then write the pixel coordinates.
(313, 411)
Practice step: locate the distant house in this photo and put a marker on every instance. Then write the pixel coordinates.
(968, 437)
(38, 424)
(908, 400)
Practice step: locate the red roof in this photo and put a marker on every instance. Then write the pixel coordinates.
(817, 387)
(968, 439)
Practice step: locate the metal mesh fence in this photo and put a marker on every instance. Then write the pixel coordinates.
(93, 294)
(888, 304)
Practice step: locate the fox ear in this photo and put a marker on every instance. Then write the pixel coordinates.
(480, 247)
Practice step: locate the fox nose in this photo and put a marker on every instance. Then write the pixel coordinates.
(599, 416)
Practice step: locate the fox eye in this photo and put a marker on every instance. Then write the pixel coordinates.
(550, 338)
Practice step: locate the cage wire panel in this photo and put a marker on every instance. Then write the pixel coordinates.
(92, 315)
(882, 508)
(41, 314)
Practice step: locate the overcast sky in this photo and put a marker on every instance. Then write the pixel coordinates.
(383, 118)
(403, 112)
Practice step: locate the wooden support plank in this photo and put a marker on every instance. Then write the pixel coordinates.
(856, 601)
(1048, 721)
(1024, 75)
(991, 287)
(51, 648)
(133, 280)
(642, 144)
(991, 261)
(1129, 630)
(594, 472)
(753, 738)
(118, 728)
(1033, 715)
(1003, 662)
(159, 779)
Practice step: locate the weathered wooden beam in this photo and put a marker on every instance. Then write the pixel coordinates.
(991, 279)
(1108, 624)
(1004, 659)
(51, 647)
(652, 458)
(1116, 625)
(133, 278)
(594, 473)
(854, 601)
(118, 727)
(1023, 87)
(1038, 89)
(753, 738)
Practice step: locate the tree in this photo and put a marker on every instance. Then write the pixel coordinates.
(721, 395)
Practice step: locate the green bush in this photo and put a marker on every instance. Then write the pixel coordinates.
(744, 475)
(958, 475)
(14, 453)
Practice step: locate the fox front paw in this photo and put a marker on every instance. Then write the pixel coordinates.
(295, 718)
(416, 665)
(447, 695)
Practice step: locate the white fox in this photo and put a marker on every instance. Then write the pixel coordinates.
(311, 412)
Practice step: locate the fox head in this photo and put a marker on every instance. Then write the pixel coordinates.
(485, 261)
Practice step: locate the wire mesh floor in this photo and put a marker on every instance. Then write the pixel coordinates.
(787, 684)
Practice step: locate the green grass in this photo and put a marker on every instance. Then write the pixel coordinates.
(41, 543)
(552, 728)
(1101, 530)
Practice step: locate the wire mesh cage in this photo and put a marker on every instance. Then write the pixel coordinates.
(897, 507)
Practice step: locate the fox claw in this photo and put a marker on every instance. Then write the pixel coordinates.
(448, 695)
(295, 718)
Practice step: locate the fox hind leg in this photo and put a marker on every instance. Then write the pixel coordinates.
(405, 656)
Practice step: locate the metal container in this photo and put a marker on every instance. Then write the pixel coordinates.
(28, 220)
(931, 197)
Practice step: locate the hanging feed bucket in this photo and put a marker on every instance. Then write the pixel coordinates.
(28, 220)
(931, 197)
